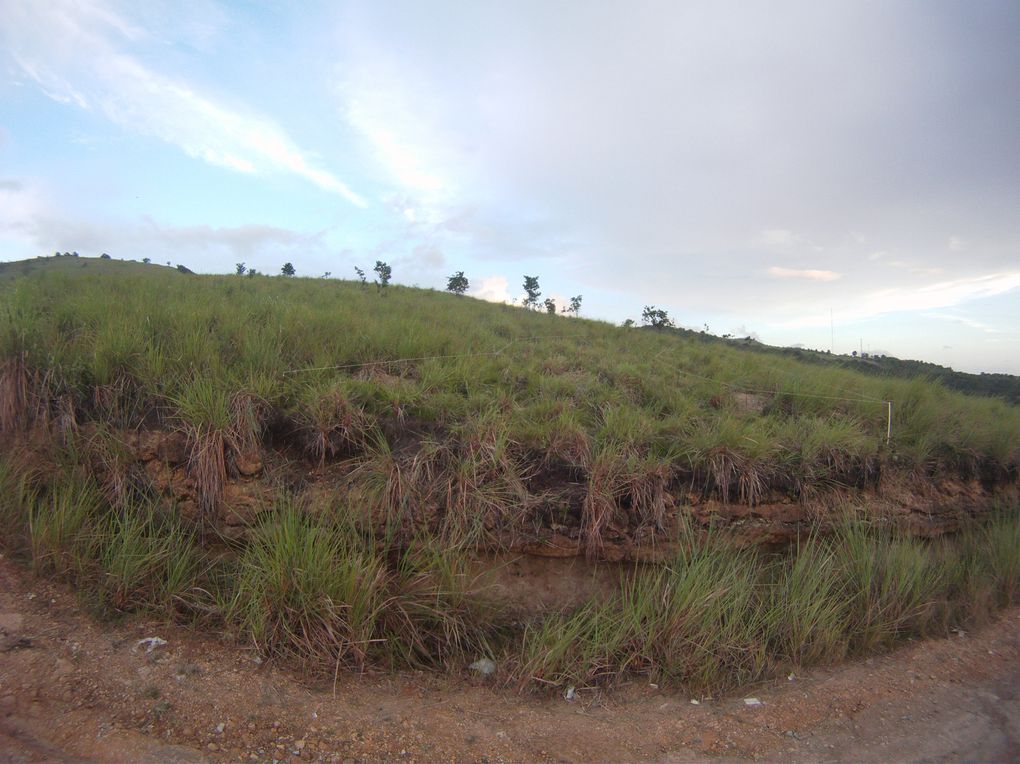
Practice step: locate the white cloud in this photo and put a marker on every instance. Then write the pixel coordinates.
(492, 288)
(810, 274)
(967, 321)
(70, 50)
(32, 224)
(941, 295)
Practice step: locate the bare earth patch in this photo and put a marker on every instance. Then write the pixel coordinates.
(75, 690)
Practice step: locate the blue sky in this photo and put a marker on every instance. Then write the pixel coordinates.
(753, 166)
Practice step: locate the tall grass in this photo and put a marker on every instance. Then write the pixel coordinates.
(145, 559)
(317, 589)
(694, 622)
(503, 420)
(717, 617)
(59, 526)
(131, 345)
(308, 591)
(324, 594)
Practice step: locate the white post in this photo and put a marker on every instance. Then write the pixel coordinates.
(888, 422)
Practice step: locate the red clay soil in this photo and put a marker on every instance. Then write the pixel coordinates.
(72, 689)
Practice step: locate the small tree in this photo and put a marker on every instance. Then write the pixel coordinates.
(287, 269)
(550, 306)
(327, 274)
(457, 283)
(575, 305)
(240, 269)
(531, 287)
(384, 272)
(628, 323)
(656, 318)
(103, 256)
(361, 276)
(252, 273)
(146, 260)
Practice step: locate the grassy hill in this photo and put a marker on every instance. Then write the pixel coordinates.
(315, 465)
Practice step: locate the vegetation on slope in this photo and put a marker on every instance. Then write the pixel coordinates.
(444, 424)
(321, 591)
(496, 405)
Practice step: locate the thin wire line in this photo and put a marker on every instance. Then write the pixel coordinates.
(435, 357)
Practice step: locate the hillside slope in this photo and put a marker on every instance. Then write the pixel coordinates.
(342, 476)
(475, 421)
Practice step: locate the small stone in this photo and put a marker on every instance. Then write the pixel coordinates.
(483, 666)
(213, 747)
(220, 727)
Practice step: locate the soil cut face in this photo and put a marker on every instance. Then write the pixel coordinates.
(75, 690)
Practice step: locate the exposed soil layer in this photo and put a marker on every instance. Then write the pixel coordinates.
(158, 461)
(75, 690)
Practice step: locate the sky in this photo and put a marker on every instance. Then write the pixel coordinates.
(840, 175)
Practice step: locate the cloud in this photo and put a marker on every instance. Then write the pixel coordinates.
(33, 223)
(429, 256)
(808, 273)
(240, 241)
(492, 288)
(72, 52)
(941, 295)
(541, 122)
(967, 321)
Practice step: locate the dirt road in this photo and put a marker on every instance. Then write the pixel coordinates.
(75, 690)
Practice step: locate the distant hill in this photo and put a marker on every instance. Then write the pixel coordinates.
(1005, 386)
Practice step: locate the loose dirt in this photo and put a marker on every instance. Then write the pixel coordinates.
(72, 689)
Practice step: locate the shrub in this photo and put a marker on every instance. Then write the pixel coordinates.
(457, 283)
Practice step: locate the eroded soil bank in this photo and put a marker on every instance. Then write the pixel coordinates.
(75, 690)
(157, 462)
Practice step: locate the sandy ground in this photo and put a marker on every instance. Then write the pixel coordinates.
(75, 690)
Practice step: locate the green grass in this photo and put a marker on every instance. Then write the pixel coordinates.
(718, 617)
(313, 588)
(145, 559)
(58, 527)
(136, 346)
(505, 422)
